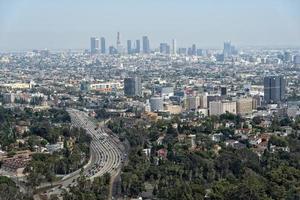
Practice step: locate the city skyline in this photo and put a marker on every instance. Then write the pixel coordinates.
(172, 99)
(246, 24)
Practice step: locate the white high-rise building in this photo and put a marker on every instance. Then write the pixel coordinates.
(244, 106)
(191, 102)
(221, 107)
(174, 47)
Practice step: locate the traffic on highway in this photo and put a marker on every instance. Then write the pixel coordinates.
(106, 152)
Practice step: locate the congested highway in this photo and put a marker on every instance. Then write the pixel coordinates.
(106, 153)
(106, 150)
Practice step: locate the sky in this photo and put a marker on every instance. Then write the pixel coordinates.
(69, 24)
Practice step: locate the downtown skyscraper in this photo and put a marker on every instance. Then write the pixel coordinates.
(103, 47)
(174, 47)
(137, 46)
(129, 47)
(119, 45)
(146, 45)
(94, 45)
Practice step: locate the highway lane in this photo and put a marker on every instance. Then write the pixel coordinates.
(106, 152)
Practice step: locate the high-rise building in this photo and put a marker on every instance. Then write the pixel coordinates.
(221, 107)
(94, 45)
(174, 47)
(194, 50)
(244, 106)
(203, 100)
(256, 101)
(137, 46)
(118, 39)
(103, 48)
(223, 91)
(227, 49)
(156, 103)
(287, 56)
(129, 50)
(164, 48)
(274, 89)
(120, 49)
(191, 102)
(189, 51)
(297, 60)
(133, 86)
(146, 45)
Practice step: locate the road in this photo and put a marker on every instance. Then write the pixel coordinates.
(106, 153)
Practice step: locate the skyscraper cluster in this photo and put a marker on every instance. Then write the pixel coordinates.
(95, 45)
(146, 45)
(132, 46)
(229, 49)
(143, 46)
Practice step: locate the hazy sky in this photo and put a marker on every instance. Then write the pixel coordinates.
(68, 24)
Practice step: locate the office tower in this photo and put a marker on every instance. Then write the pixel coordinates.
(156, 104)
(146, 45)
(168, 50)
(137, 46)
(119, 45)
(203, 100)
(94, 45)
(256, 101)
(182, 51)
(244, 106)
(164, 48)
(133, 86)
(221, 107)
(297, 60)
(223, 91)
(129, 50)
(191, 102)
(274, 89)
(103, 48)
(118, 39)
(287, 56)
(189, 51)
(173, 46)
(227, 49)
(194, 50)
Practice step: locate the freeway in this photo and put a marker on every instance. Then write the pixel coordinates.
(106, 152)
